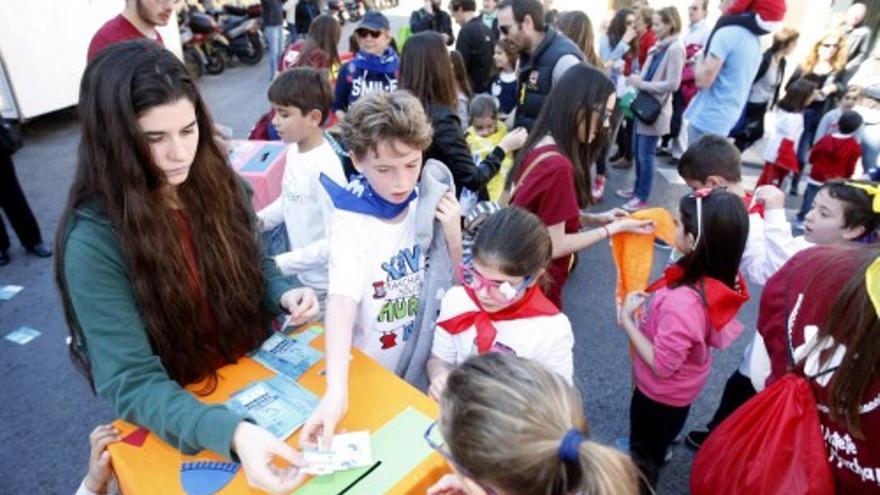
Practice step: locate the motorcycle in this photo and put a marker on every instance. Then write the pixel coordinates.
(337, 9)
(193, 56)
(242, 35)
(207, 38)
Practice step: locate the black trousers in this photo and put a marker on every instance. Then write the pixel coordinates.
(652, 429)
(737, 391)
(605, 152)
(677, 118)
(16, 207)
(625, 138)
(752, 128)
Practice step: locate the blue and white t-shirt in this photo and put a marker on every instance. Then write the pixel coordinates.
(716, 109)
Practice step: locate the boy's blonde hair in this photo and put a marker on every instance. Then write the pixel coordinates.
(382, 116)
(503, 419)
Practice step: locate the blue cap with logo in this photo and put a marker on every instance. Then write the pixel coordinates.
(374, 20)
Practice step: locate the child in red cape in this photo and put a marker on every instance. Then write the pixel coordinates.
(500, 306)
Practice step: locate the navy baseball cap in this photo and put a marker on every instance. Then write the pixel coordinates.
(374, 20)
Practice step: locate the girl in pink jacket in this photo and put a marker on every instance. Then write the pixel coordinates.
(692, 308)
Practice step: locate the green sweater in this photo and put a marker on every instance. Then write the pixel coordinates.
(125, 368)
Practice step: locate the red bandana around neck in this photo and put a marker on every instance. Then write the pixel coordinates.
(722, 302)
(533, 303)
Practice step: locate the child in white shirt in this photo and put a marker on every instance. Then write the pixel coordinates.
(500, 306)
(302, 98)
(394, 241)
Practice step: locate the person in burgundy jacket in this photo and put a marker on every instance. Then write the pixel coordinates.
(843, 358)
(138, 20)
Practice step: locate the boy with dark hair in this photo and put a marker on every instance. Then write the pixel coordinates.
(301, 98)
(712, 162)
(832, 157)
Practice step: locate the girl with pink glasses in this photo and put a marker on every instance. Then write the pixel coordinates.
(499, 306)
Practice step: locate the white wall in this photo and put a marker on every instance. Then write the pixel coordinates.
(43, 45)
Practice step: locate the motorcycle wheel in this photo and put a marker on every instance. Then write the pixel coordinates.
(254, 52)
(216, 63)
(193, 64)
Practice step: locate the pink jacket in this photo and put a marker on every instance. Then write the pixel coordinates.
(677, 324)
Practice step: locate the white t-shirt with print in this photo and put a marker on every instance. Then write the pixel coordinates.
(545, 339)
(306, 210)
(380, 266)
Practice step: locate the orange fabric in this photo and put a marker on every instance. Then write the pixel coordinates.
(634, 253)
(155, 466)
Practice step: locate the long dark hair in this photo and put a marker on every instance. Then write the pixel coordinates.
(460, 72)
(797, 94)
(580, 92)
(577, 27)
(324, 34)
(721, 237)
(852, 322)
(116, 173)
(426, 70)
(515, 240)
(617, 28)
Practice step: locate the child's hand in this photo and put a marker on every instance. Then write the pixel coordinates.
(100, 468)
(633, 301)
(301, 303)
(449, 215)
(257, 448)
(437, 386)
(513, 140)
(635, 81)
(771, 197)
(611, 215)
(448, 485)
(630, 34)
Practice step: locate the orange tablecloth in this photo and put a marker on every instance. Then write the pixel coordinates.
(375, 396)
(261, 163)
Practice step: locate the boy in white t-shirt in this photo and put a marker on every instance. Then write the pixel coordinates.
(378, 254)
(302, 98)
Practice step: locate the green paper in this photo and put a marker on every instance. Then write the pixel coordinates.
(400, 447)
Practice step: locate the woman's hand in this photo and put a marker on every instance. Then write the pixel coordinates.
(100, 468)
(633, 301)
(301, 303)
(513, 140)
(322, 424)
(257, 449)
(630, 34)
(635, 81)
(448, 485)
(631, 225)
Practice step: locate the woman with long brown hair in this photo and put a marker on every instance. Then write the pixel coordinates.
(577, 26)
(551, 177)
(161, 273)
(426, 71)
(318, 50)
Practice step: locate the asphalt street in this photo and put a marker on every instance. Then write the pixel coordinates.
(47, 409)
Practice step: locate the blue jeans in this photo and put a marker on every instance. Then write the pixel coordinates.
(870, 137)
(811, 124)
(274, 42)
(809, 197)
(643, 152)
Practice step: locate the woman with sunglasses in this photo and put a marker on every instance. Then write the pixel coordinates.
(692, 310)
(824, 66)
(499, 306)
(374, 68)
(510, 426)
(551, 178)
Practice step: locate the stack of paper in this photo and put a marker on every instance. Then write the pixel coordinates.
(287, 355)
(278, 404)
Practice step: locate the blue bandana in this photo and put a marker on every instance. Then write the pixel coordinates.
(387, 63)
(359, 197)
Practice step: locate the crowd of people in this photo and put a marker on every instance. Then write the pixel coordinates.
(434, 203)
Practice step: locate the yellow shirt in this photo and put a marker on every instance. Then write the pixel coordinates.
(480, 147)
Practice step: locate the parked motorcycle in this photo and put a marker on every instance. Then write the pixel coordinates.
(193, 56)
(243, 36)
(208, 38)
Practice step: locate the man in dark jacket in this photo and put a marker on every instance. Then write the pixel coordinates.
(432, 18)
(475, 43)
(545, 54)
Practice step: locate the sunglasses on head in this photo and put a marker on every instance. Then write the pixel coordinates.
(440, 447)
(363, 33)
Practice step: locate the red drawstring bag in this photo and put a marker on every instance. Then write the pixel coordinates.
(772, 444)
